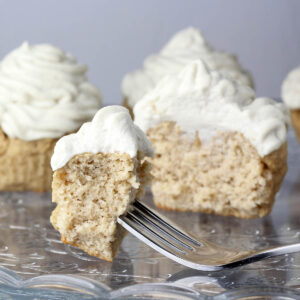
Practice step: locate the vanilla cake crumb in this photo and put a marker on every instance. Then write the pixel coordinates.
(91, 192)
(223, 176)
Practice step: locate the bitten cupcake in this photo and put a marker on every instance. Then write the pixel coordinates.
(44, 94)
(290, 94)
(186, 46)
(99, 172)
(217, 148)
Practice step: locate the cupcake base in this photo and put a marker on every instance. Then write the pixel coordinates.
(126, 104)
(25, 166)
(224, 175)
(295, 117)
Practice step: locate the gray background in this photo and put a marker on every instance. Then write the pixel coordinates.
(113, 37)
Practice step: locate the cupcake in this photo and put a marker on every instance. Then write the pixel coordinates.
(290, 94)
(186, 46)
(99, 172)
(217, 148)
(44, 94)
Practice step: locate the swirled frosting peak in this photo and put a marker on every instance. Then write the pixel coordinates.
(111, 130)
(206, 102)
(44, 93)
(186, 46)
(290, 90)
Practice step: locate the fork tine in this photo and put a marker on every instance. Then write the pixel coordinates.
(143, 227)
(149, 228)
(149, 237)
(166, 233)
(152, 239)
(156, 216)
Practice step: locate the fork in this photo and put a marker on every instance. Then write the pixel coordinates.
(165, 237)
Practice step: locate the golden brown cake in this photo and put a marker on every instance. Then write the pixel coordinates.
(126, 104)
(25, 165)
(92, 190)
(217, 148)
(295, 117)
(226, 176)
(44, 94)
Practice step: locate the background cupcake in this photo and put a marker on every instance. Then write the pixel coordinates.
(44, 94)
(186, 46)
(290, 93)
(217, 148)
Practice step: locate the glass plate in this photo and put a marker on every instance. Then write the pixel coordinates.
(34, 263)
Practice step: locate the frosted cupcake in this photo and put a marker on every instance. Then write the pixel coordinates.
(44, 94)
(217, 149)
(186, 46)
(99, 172)
(290, 94)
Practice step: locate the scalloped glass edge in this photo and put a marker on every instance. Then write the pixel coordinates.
(76, 287)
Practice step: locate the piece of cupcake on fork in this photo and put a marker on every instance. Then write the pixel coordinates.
(99, 172)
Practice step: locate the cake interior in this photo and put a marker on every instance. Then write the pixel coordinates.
(224, 175)
(91, 191)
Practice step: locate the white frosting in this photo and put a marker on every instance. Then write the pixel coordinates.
(204, 101)
(111, 130)
(290, 90)
(186, 46)
(44, 93)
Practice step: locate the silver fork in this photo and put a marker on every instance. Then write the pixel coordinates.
(162, 235)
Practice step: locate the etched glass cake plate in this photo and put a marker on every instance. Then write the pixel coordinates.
(34, 263)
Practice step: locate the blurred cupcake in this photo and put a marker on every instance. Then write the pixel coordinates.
(44, 94)
(218, 149)
(290, 93)
(186, 46)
